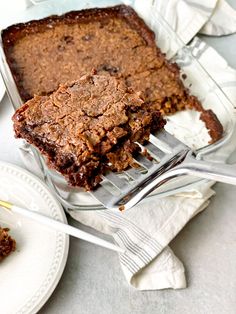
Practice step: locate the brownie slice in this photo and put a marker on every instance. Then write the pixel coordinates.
(7, 243)
(87, 127)
(45, 53)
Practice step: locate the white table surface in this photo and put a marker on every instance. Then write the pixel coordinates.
(93, 281)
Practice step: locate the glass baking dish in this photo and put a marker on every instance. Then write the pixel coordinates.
(198, 81)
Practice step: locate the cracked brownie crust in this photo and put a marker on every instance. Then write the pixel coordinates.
(87, 127)
(112, 40)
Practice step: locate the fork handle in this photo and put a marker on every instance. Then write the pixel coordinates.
(208, 170)
(62, 227)
(190, 166)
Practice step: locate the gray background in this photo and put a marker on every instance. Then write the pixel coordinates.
(93, 281)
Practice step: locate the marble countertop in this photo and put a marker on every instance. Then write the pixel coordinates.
(93, 281)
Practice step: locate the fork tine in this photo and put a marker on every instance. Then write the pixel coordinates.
(116, 181)
(143, 161)
(133, 173)
(160, 144)
(154, 150)
(165, 137)
(102, 195)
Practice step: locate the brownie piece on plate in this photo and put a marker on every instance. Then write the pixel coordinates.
(7, 243)
(87, 127)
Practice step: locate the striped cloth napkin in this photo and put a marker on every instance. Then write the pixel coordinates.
(147, 229)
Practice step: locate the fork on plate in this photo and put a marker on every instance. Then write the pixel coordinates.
(60, 226)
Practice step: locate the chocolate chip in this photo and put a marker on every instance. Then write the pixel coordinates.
(109, 68)
(68, 39)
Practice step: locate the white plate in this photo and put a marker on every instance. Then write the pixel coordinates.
(30, 274)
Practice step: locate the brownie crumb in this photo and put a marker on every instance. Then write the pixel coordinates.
(121, 208)
(7, 243)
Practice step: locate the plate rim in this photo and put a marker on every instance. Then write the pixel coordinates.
(35, 303)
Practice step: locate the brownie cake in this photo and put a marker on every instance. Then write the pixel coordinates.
(87, 127)
(45, 53)
(7, 244)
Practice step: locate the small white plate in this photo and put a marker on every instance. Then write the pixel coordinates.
(30, 274)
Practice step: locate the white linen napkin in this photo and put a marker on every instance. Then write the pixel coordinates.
(222, 21)
(147, 229)
(189, 17)
(145, 232)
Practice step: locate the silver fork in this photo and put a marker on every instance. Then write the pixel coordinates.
(171, 158)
